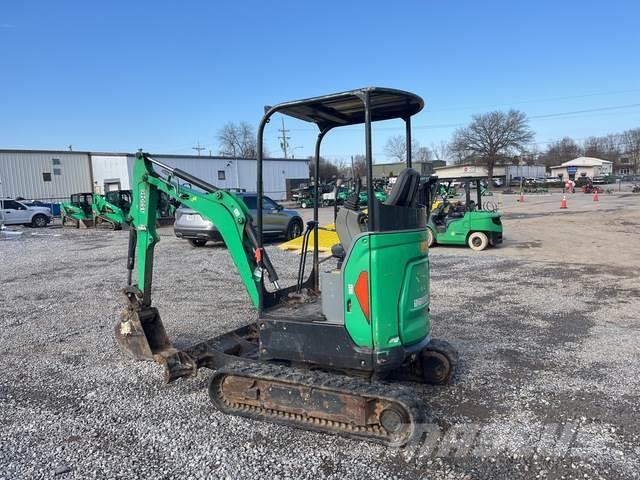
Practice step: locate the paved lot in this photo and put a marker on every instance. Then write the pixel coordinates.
(547, 328)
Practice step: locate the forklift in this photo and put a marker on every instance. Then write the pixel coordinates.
(326, 352)
(454, 223)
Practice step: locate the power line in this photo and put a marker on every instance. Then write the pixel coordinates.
(533, 117)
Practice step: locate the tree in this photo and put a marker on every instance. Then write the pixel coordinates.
(396, 148)
(421, 154)
(441, 151)
(328, 171)
(560, 151)
(492, 137)
(359, 166)
(237, 140)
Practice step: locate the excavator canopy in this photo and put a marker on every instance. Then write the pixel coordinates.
(347, 108)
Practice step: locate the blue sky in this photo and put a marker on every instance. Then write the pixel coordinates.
(116, 75)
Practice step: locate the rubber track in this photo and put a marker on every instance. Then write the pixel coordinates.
(399, 394)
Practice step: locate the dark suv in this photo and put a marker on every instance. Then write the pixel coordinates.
(276, 221)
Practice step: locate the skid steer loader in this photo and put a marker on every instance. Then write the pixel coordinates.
(322, 354)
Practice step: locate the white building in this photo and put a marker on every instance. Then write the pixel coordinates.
(55, 175)
(581, 167)
(507, 172)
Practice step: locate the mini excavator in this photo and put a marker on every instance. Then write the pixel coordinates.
(327, 352)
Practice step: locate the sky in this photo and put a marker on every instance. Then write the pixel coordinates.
(165, 75)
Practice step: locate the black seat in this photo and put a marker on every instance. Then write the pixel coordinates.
(404, 192)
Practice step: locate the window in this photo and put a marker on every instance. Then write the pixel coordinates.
(250, 201)
(57, 171)
(13, 205)
(46, 176)
(222, 175)
(268, 204)
(624, 171)
(55, 161)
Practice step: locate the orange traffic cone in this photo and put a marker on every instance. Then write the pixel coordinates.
(595, 196)
(563, 204)
(521, 198)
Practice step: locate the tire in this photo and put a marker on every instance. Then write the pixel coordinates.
(198, 242)
(430, 238)
(39, 221)
(303, 205)
(294, 229)
(478, 241)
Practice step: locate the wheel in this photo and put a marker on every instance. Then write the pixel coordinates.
(39, 221)
(478, 241)
(198, 242)
(430, 238)
(438, 361)
(294, 229)
(325, 203)
(303, 204)
(394, 420)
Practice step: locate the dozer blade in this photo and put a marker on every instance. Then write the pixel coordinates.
(141, 335)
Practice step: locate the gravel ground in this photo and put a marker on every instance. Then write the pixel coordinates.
(548, 385)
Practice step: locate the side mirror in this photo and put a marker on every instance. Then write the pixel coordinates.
(279, 207)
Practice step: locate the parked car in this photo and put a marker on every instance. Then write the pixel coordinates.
(276, 221)
(515, 181)
(13, 212)
(581, 181)
(599, 180)
(497, 182)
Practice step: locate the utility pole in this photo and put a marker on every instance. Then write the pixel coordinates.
(199, 148)
(284, 140)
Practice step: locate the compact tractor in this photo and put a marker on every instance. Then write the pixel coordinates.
(470, 223)
(323, 353)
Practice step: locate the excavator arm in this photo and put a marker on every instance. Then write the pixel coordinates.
(140, 331)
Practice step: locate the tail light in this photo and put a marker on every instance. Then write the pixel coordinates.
(362, 293)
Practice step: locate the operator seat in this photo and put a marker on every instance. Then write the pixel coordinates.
(404, 192)
(350, 221)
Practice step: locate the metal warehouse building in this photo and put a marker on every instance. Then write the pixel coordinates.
(54, 175)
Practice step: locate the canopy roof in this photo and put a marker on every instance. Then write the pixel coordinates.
(347, 108)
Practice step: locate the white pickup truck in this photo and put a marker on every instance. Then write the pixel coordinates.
(13, 212)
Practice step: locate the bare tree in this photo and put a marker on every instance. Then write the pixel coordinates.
(359, 166)
(421, 154)
(441, 151)
(237, 140)
(328, 170)
(560, 151)
(491, 137)
(396, 148)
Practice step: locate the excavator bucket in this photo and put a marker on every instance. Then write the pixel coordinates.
(141, 335)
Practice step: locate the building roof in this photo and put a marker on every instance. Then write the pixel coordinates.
(158, 155)
(585, 162)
